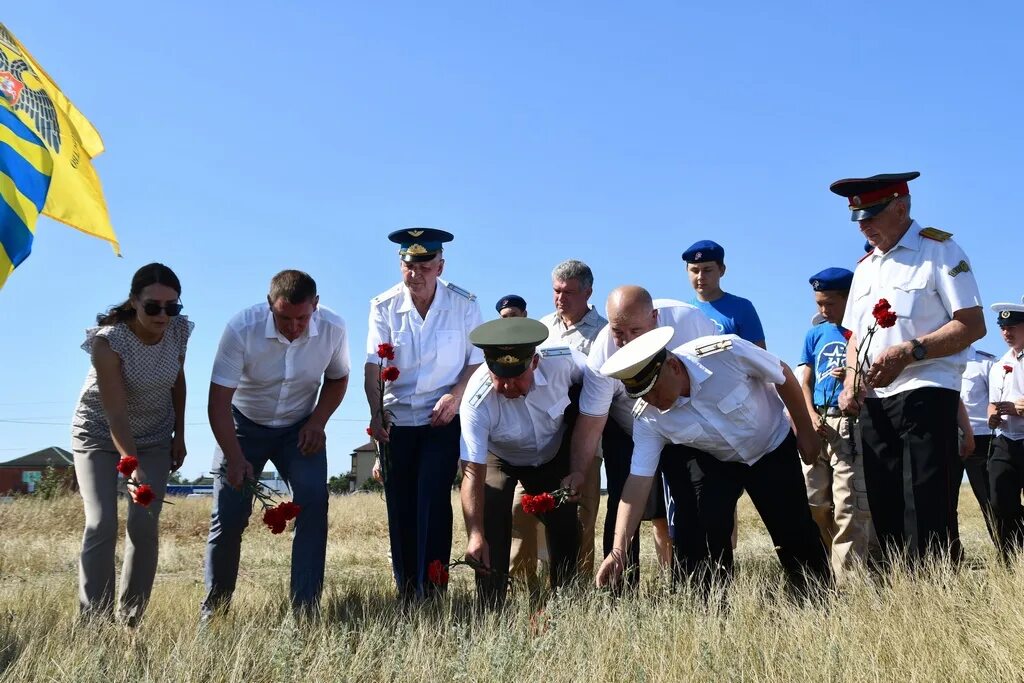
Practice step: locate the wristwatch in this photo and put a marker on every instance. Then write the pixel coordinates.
(920, 351)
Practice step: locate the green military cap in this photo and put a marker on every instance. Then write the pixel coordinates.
(509, 344)
(639, 362)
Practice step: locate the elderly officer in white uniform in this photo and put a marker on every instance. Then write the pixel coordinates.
(428, 322)
(631, 312)
(724, 397)
(514, 430)
(909, 430)
(1006, 417)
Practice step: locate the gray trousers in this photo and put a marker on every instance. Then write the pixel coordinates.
(95, 468)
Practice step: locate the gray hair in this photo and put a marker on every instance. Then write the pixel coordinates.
(572, 269)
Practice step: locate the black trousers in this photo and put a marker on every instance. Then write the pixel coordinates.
(976, 466)
(910, 446)
(561, 524)
(706, 506)
(1006, 474)
(617, 447)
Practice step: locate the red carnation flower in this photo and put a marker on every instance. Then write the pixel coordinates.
(127, 465)
(386, 351)
(143, 495)
(887, 319)
(528, 504)
(1007, 369)
(369, 431)
(545, 502)
(847, 334)
(274, 519)
(389, 374)
(289, 509)
(437, 573)
(881, 307)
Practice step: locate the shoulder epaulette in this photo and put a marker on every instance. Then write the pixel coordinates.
(481, 392)
(985, 354)
(935, 234)
(390, 294)
(460, 291)
(713, 347)
(639, 407)
(554, 351)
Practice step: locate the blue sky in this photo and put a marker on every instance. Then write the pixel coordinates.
(245, 138)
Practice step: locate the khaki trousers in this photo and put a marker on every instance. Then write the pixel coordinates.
(838, 498)
(528, 533)
(95, 469)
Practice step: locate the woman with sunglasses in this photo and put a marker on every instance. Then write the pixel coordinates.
(132, 404)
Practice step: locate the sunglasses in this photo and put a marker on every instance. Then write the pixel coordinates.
(153, 308)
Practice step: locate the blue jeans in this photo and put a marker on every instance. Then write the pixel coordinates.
(418, 492)
(306, 476)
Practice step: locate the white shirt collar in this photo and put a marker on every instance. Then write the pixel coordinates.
(440, 302)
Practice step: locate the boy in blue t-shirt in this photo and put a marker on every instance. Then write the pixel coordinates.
(835, 483)
(705, 266)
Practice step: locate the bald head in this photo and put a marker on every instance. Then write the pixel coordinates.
(630, 313)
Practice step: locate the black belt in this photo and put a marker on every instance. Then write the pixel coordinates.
(828, 411)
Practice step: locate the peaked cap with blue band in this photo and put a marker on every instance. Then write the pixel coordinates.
(420, 244)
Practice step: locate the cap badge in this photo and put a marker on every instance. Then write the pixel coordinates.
(1004, 314)
(415, 233)
(696, 257)
(855, 200)
(816, 284)
(415, 250)
(507, 360)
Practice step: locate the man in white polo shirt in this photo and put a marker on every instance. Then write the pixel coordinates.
(264, 406)
(723, 397)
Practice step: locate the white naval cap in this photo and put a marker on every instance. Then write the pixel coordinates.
(639, 362)
(1009, 314)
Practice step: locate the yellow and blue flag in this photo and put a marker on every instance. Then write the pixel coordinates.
(46, 152)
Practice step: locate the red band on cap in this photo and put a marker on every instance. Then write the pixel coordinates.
(887, 193)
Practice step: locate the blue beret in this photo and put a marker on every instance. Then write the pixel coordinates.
(513, 300)
(419, 244)
(705, 250)
(831, 279)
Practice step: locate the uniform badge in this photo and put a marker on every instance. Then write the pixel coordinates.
(508, 359)
(713, 347)
(961, 267)
(696, 257)
(1004, 314)
(415, 250)
(414, 233)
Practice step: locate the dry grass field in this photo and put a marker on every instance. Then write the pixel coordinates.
(942, 625)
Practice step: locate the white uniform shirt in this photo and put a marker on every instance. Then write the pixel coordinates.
(276, 381)
(603, 395)
(579, 336)
(974, 390)
(733, 411)
(925, 282)
(522, 431)
(430, 352)
(1008, 386)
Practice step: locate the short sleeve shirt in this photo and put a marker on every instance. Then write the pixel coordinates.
(277, 381)
(430, 351)
(606, 396)
(1005, 384)
(974, 390)
(579, 336)
(824, 350)
(733, 411)
(149, 373)
(733, 315)
(524, 431)
(925, 282)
